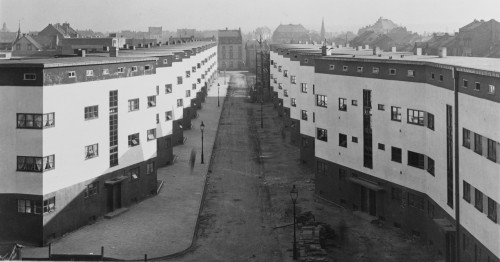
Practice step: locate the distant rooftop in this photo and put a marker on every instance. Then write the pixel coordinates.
(124, 56)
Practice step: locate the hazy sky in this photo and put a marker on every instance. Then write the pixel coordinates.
(117, 15)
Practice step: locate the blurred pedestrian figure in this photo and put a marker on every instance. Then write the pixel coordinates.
(192, 159)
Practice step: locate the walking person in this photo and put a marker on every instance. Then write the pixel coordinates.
(192, 159)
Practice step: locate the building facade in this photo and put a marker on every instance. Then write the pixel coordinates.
(397, 136)
(231, 55)
(90, 132)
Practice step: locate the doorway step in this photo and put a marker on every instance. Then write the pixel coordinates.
(116, 213)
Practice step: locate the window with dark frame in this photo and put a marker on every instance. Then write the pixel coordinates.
(381, 146)
(343, 140)
(151, 134)
(303, 87)
(430, 121)
(465, 83)
(492, 210)
(168, 115)
(304, 114)
(477, 86)
(133, 104)
(466, 191)
(342, 104)
(321, 100)
(381, 107)
(478, 199)
(150, 168)
(466, 138)
(415, 117)
(49, 205)
(29, 206)
(91, 189)
(293, 102)
(396, 113)
(430, 166)
(35, 164)
(492, 150)
(91, 151)
(29, 76)
(354, 139)
(133, 140)
(151, 101)
(35, 121)
(392, 71)
(321, 134)
(396, 154)
(180, 102)
(168, 88)
(133, 174)
(415, 159)
(478, 146)
(354, 102)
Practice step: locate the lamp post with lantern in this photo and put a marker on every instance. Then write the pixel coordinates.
(202, 127)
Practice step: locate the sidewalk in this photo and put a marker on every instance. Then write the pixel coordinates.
(164, 224)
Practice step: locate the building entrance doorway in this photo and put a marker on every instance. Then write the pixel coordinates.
(368, 201)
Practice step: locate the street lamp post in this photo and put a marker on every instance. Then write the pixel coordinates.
(294, 194)
(202, 127)
(218, 103)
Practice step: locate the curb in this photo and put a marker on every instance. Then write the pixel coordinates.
(195, 234)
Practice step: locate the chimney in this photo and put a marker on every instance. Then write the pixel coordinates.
(82, 52)
(113, 52)
(442, 52)
(419, 51)
(376, 50)
(347, 45)
(393, 49)
(325, 51)
(105, 48)
(360, 47)
(367, 47)
(126, 46)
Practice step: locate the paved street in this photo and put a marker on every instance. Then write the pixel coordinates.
(248, 196)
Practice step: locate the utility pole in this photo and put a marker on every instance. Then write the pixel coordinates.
(261, 82)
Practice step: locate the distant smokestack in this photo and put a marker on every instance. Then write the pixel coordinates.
(419, 51)
(442, 52)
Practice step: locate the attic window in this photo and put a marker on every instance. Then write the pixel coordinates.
(165, 61)
(392, 71)
(411, 73)
(134, 68)
(345, 68)
(147, 67)
(332, 67)
(121, 69)
(105, 71)
(71, 74)
(177, 57)
(375, 70)
(295, 56)
(90, 72)
(29, 76)
(360, 69)
(306, 60)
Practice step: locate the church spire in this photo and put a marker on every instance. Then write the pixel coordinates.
(18, 32)
(323, 28)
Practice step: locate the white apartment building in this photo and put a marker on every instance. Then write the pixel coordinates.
(83, 136)
(408, 139)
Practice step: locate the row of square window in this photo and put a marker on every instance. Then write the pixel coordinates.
(478, 201)
(414, 159)
(478, 144)
(105, 71)
(375, 70)
(477, 86)
(393, 71)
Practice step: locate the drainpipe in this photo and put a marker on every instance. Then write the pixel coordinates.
(457, 170)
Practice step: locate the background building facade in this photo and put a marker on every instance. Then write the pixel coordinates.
(231, 56)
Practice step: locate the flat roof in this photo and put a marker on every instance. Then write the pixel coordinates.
(349, 53)
(124, 56)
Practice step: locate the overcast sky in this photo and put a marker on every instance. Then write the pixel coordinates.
(117, 15)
